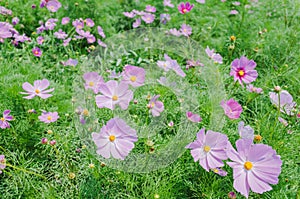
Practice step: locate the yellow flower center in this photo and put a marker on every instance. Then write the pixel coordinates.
(115, 98)
(184, 10)
(91, 84)
(258, 138)
(206, 148)
(133, 78)
(37, 91)
(49, 118)
(112, 138)
(3, 161)
(248, 165)
(152, 104)
(215, 170)
(241, 73)
(2, 119)
(85, 112)
(36, 52)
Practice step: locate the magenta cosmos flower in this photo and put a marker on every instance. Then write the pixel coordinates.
(48, 117)
(185, 7)
(133, 75)
(285, 103)
(232, 108)
(113, 94)
(53, 5)
(155, 106)
(2, 163)
(255, 166)
(4, 120)
(193, 117)
(209, 149)
(92, 81)
(37, 52)
(243, 70)
(37, 89)
(115, 139)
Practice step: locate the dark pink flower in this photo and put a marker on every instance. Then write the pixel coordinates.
(44, 141)
(114, 94)
(133, 75)
(193, 117)
(232, 108)
(185, 7)
(209, 149)
(155, 106)
(37, 52)
(48, 117)
(4, 120)
(115, 139)
(38, 89)
(243, 70)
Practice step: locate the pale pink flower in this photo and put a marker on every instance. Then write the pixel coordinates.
(37, 89)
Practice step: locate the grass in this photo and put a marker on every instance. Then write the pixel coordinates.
(269, 35)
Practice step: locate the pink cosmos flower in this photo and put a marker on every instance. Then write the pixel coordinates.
(148, 18)
(4, 120)
(129, 14)
(133, 75)
(40, 40)
(65, 20)
(168, 3)
(37, 52)
(193, 117)
(150, 8)
(38, 89)
(4, 11)
(164, 18)
(171, 64)
(186, 30)
(66, 42)
(78, 23)
(53, 5)
(140, 13)
(155, 106)
(100, 31)
(115, 139)
(255, 166)
(214, 56)
(15, 21)
(209, 149)
(48, 117)
(60, 34)
(175, 32)
(113, 94)
(232, 108)
(91, 39)
(89, 22)
(236, 3)
(219, 171)
(201, 1)
(245, 132)
(286, 103)
(253, 89)
(50, 24)
(283, 121)
(5, 30)
(243, 70)
(92, 81)
(233, 12)
(2, 163)
(185, 7)
(137, 23)
(101, 43)
(70, 62)
(193, 63)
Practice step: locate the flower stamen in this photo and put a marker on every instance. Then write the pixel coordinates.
(248, 165)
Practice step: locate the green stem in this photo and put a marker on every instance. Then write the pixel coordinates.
(26, 171)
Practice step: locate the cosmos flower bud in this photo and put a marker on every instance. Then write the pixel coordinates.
(44, 141)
